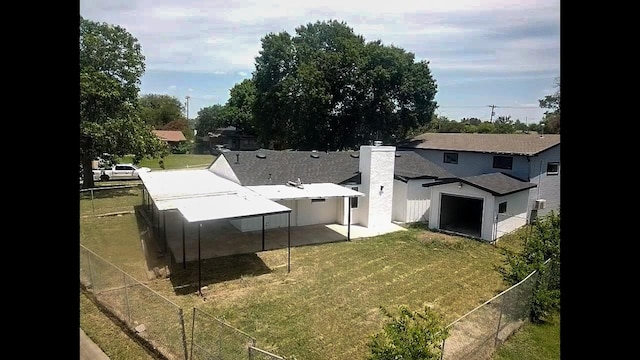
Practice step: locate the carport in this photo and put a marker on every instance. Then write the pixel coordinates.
(200, 197)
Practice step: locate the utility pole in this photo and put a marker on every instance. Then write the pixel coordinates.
(492, 112)
(187, 105)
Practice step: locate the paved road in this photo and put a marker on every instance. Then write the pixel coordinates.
(89, 350)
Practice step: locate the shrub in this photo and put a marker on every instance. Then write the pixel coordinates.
(409, 336)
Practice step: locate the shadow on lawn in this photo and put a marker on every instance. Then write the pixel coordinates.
(162, 264)
(215, 270)
(125, 190)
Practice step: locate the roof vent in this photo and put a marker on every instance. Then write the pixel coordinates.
(314, 155)
(355, 155)
(261, 156)
(377, 143)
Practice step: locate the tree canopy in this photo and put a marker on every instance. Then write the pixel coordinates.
(111, 64)
(158, 110)
(325, 88)
(551, 120)
(210, 118)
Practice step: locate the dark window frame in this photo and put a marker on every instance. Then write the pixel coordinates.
(557, 165)
(502, 207)
(353, 201)
(450, 154)
(498, 162)
(318, 200)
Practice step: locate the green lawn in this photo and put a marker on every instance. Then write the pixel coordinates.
(533, 342)
(328, 306)
(175, 161)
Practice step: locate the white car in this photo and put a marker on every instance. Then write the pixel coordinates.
(119, 172)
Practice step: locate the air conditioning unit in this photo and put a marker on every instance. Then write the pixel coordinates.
(539, 205)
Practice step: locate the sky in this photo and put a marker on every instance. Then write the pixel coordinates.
(480, 52)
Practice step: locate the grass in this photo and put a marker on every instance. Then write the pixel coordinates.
(107, 335)
(175, 161)
(328, 306)
(533, 342)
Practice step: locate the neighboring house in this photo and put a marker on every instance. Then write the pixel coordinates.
(232, 139)
(398, 185)
(172, 137)
(533, 158)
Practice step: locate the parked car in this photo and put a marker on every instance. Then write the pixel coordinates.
(119, 172)
(219, 149)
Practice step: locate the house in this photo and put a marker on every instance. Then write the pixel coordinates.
(172, 137)
(232, 139)
(399, 186)
(532, 158)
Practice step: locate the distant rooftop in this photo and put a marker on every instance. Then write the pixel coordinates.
(516, 144)
(170, 135)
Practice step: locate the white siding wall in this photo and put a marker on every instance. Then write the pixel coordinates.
(376, 167)
(399, 211)
(343, 208)
(222, 168)
(467, 191)
(548, 185)
(418, 201)
(270, 221)
(311, 213)
(516, 215)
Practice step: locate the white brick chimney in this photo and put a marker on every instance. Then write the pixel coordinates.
(376, 168)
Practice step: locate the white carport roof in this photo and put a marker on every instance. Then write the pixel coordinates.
(308, 191)
(201, 195)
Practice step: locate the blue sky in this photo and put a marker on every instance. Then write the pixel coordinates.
(481, 52)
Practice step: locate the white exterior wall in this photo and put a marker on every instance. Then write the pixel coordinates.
(270, 221)
(488, 205)
(376, 167)
(343, 208)
(418, 201)
(311, 213)
(548, 185)
(222, 168)
(516, 215)
(399, 211)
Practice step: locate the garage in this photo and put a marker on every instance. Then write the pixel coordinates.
(461, 214)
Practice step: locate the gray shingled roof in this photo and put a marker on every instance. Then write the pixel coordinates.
(278, 167)
(496, 183)
(516, 144)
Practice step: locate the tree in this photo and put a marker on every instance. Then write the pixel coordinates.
(111, 63)
(210, 118)
(158, 110)
(409, 336)
(324, 88)
(551, 120)
(541, 245)
(503, 125)
(239, 107)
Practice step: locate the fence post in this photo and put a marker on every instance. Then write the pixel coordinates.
(495, 343)
(442, 351)
(193, 326)
(91, 284)
(220, 339)
(184, 335)
(93, 208)
(126, 296)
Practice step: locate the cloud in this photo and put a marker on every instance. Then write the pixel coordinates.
(190, 90)
(172, 87)
(480, 37)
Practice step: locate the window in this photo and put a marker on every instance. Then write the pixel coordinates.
(451, 158)
(123, 167)
(317, 200)
(502, 162)
(502, 207)
(354, 200)
(552, 168)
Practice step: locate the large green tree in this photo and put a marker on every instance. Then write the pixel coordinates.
(325, 88)
(111, 63)
(210, 118)
(239, 108)
(551, 119)
(158, 110)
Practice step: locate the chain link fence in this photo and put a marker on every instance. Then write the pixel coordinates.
(259, 354)
(213, 338)
(478, 333)
(109, 199)
(154, 318)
